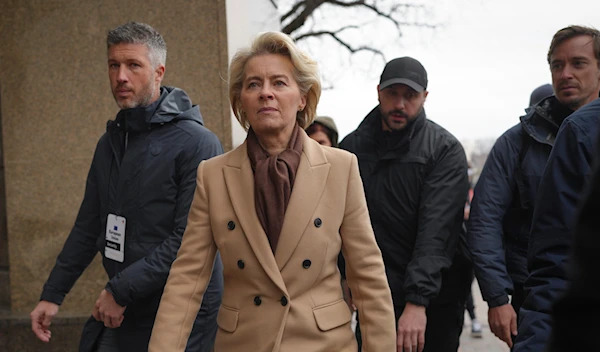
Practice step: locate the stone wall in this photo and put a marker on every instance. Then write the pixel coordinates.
(55, 101)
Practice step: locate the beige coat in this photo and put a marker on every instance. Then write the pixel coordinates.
(290, 301)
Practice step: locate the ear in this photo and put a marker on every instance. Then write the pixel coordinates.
(160, 73)
(425, 94)
(378, 94)
(302, 102)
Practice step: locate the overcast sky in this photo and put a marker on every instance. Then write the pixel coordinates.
(482, 65)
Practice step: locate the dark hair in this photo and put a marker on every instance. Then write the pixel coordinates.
(316, 127)
(572, 32)
(140, 33)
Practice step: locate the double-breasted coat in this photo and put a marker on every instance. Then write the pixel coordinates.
(290, 300)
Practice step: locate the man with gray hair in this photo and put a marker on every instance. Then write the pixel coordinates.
(134, 211)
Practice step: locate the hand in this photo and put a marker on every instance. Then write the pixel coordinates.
(411, 329)
(108, 311)
(503, 322)
(41, 318)
(348, 296)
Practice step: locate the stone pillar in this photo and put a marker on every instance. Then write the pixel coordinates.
(56, 99)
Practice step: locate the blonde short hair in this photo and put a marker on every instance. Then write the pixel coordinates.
(306, 74)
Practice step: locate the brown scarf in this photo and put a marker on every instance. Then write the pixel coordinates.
(273, 182)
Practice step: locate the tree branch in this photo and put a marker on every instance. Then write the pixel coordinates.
(291, 12)
(320, 33)
(302, 19)
(274, 4)
(342, 42)
(378, 12)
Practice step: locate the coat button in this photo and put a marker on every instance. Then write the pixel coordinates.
(231, 225)
(284, 301)
(306, 263)
(318, 222)
(241, 264)
(257, 301)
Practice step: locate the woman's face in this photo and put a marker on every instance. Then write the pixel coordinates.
(319, 134)
(270, 96)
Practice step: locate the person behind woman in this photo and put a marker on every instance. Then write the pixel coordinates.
(324, 131)
(279, 208)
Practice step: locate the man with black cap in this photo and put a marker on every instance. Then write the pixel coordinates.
(504, 201)
(415, 179)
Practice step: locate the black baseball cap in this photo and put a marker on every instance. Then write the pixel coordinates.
(404, 70)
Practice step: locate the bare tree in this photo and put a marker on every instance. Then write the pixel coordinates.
(345, 21)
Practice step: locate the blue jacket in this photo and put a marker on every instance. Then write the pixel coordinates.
(570, 332)
(566, 173)
(502, 206)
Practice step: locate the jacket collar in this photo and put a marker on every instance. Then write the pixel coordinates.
(384, 141)
(172, 104)
(138, 119)
(311, 178)
(543, 120)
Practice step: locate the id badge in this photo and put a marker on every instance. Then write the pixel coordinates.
(115, 238)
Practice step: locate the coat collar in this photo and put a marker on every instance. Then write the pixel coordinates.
(543, 120)
(311, 178)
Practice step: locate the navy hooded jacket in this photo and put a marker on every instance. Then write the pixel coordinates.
(503, 200)
(144, 169)
(567, 172)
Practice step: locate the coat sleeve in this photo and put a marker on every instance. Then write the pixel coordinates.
(188, 279)
(149, 274)
(566, 172)
(492, 198)
(439, 223)
(365, 270)
(80, 246)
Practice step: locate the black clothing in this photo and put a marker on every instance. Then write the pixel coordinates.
(144, 169)
(444, 326)
(415, 183)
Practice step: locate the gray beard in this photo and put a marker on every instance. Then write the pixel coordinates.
(142, 101)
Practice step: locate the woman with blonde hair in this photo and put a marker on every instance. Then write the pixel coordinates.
(279, 208)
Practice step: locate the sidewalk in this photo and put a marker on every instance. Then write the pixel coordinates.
(489, 342)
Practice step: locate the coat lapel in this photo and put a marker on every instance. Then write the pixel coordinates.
(311, 178)
(239, 179)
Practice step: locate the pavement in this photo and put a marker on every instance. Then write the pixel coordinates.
(488, 342)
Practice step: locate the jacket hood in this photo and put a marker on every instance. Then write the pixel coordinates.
(328, 122)
(172, 105)
(540, 93)
(542, 120)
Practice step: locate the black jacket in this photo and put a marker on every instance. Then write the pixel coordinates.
(144, 169)
(503, 200)
(415, 182)
(567, 172)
